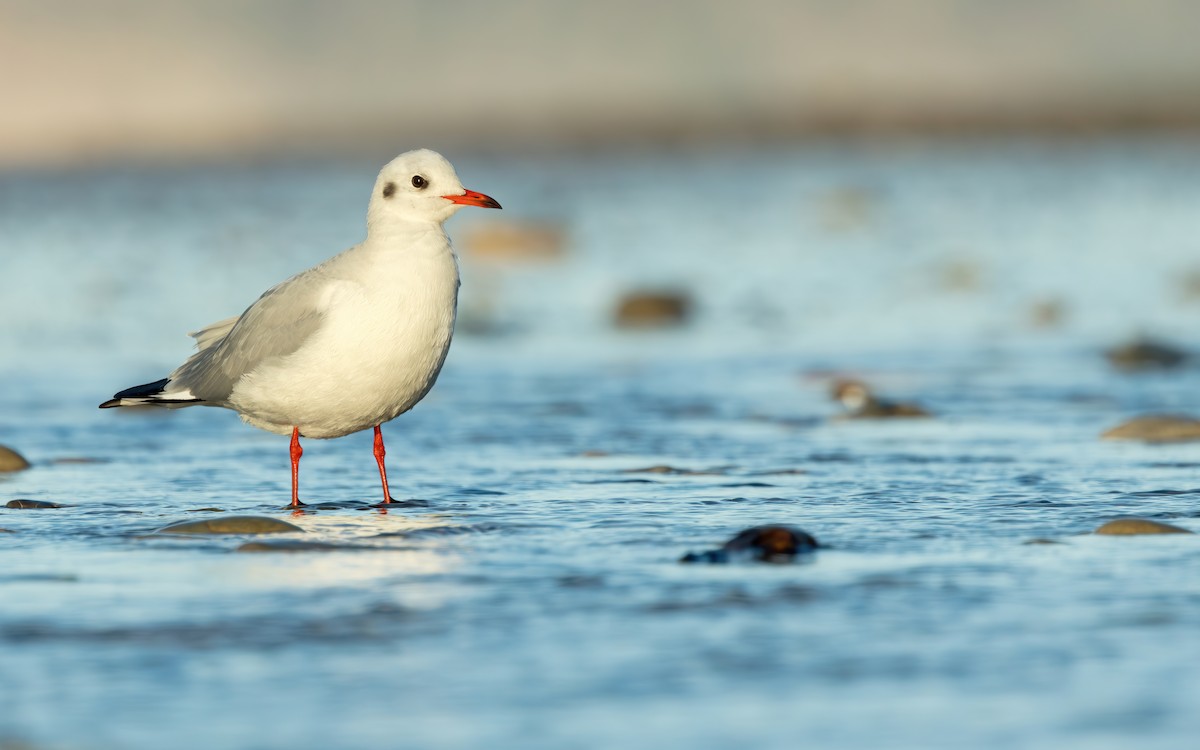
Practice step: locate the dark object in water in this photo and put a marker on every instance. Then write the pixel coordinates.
(773, 544)
(653, 309)
(231, 525)
(860, 403)
(31, 504)
(1145, 354)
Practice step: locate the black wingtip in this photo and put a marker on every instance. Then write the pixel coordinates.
(142, 391)
(146, 390)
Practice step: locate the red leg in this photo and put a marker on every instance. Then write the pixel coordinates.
(379, 454)
(297, 452)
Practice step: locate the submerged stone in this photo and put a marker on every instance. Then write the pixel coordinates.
(1145, 354)
(31, 504)
(1134, 526)
(10, 460)
(653, 309)
(1156, 428)
(773, 544)
(231, 525)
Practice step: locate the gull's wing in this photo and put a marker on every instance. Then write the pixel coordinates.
(276, 325)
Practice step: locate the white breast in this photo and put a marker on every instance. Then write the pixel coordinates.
(389, 315)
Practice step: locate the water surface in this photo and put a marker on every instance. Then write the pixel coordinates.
(528, 593)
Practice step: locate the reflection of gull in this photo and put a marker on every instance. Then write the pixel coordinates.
(363, 549)
(350, 343)
(860, 403)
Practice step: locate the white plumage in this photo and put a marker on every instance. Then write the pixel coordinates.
(350, 343)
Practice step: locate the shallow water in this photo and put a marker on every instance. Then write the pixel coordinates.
(528, 593)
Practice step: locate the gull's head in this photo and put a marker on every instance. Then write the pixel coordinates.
(420, 186)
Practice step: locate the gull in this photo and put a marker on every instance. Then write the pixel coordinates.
(348, 344)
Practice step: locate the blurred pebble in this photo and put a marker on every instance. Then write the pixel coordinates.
(1047, 313)
(650, 309)
(860, 403)
(231, 525)
(960, 276)
(10, 460)
(1156, 428)
(773, 544)
(6, 531)
(1040, 540)
(1132, 526)
(1189, 285)
(514, 241)
(1145, 354)
(850, 207)
(31, 504)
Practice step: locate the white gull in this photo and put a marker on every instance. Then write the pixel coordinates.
(348, 344)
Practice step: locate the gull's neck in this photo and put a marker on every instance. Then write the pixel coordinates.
(393, 233)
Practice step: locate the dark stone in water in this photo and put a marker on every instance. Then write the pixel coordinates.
(773, 544)
(231, 525)
(653, 309)
(1145, 354)
(31, 504)
(1135, 526)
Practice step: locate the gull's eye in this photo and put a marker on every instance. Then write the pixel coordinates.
(419, 182)
(389, 190)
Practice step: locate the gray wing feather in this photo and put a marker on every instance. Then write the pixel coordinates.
(276, 325)
(213, 333)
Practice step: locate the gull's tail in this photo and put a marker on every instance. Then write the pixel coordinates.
(151, 394)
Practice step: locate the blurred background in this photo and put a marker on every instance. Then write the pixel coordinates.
(187, 80)
(812, 173)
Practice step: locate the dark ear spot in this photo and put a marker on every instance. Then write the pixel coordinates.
(389, 190)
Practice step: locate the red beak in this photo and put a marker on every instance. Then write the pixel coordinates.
(472, 198)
